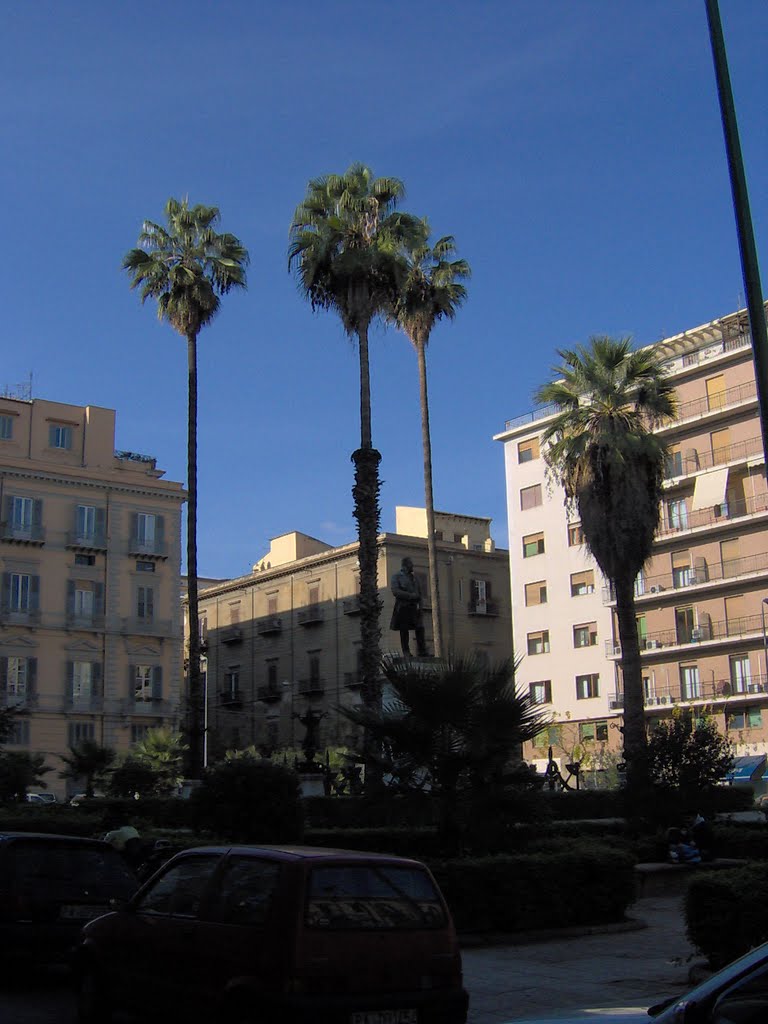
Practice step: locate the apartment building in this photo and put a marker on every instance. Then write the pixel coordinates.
(286, 638)
(90, 618)
(701, 599)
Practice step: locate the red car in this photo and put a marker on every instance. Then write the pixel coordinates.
(265, 934)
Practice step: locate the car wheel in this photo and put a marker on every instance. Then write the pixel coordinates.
(93, 1006)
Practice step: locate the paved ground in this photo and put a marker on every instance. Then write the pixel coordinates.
(634, 966)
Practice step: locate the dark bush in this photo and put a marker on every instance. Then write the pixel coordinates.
(586, 803)
(249, 800)
(583, 885)
(726, 912)
(369, 812)
(420, 843)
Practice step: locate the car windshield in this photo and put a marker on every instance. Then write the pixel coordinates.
(51, 870)
(720, 980)
(370, 897)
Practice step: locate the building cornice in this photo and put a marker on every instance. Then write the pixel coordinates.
(168, 491)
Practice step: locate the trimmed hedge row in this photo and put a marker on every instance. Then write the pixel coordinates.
(583, 885)
(726, 912)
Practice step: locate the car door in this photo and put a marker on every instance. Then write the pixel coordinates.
(154, 943)
(746, 1002)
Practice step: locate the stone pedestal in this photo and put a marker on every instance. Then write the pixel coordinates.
(312, 783)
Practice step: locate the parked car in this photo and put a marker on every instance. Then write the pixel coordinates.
(50, 885)
(738, 994)
(41, 798)
(291, 934)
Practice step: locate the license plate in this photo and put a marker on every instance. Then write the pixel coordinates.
(385, 1017)
(81, 912)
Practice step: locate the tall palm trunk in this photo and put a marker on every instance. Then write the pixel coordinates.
(426, 443)
(635, 741)
(195, 696)
(367, 513)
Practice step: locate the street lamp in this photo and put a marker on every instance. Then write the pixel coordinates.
(765, 639)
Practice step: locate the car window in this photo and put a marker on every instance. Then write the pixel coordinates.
(746, 1002)
(52, 870)
(245, 890)
(372, 897)
(179, 890)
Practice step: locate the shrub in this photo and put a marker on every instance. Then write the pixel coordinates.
(250, 799)
(726, 913)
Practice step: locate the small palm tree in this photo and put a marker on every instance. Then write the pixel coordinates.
(603, 450)
(431, 290)
(87, 760)
(163, 751)
(344, 241)
(187, 266)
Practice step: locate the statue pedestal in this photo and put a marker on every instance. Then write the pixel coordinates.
(312, 783)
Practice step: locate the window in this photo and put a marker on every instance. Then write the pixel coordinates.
(6, 428)
(681, 569)
(82, 680)
(139, 733)
(746, 718)
(17, 677)
(314, 669)
(677, 514)
(674, 465)
(145, 603)
(85, 521)
(593, 731)
(85, 559)
(690, 685)
(19, 734)
(715, 391)
(536, 593)
(587, 686)
(145, 566)
(59, 436)
(481, 595)
(145, 527)
(530, 497)
(79, 731)
(21, 592)
(533, 544)
(740, 673)
(582, 583)
(146, 682)
(83, 602)
(232, 683)
(367, 898)
(178, 892)
(245, 891)
(541, 692)
(21, 514)
(549, 737)
(272, 674)
(528, 450)
(585, 635)
(271, 604)
(538, 643)
(313, 593)
(575, 535)
(458, 538)
(234, 613)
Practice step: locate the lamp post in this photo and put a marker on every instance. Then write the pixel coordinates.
(763, 603)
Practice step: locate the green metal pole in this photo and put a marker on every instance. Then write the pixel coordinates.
(749, 266)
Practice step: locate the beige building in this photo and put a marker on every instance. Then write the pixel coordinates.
(90, 618)
(287, 638)
(700, 600)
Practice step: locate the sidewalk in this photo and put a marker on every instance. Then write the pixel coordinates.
(634, 964)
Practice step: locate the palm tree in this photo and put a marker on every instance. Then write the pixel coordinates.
(87, 760)
(602, 448)
(187, 266)
(163, 751)
(344, 241)
(431, 290)
(451, 725)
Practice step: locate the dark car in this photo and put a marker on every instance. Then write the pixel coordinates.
(288, 934)
(50, 886)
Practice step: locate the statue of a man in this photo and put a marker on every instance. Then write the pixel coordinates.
(407, 611)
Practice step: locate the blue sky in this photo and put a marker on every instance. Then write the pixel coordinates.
(573, 147)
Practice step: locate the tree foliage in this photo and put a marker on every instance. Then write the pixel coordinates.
(89, 761)
(134, 776)
(162, 750)
(687, 755)
(20, 770)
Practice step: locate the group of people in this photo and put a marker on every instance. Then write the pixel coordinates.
(690, 845)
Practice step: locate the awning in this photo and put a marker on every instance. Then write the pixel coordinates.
(710, 489)
(745, 768)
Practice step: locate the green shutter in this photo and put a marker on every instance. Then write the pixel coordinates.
(31, 676)
(3, 675)
(157, 682)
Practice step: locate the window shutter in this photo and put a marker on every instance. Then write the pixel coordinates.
(3, 675)
(98, 598)
(8, 506)
(6, 598)
(101, 522)
(96, 679)
(157, 682)
(131, 682)
(487, 590)
(70, 597)
(37, 514)
(159, 532)
(149, 602)
(34, 593)
(134, 526)
(70, 680)
(31, 675)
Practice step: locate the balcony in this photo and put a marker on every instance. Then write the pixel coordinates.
(147, 548)
(670, 584)
(147, 627)
(353, 680)
(231, 635)
(748, 626)
(20, 616)
(713, 404)
(16, 534)
(708, 517)
(683, 464)
(84, 622)
(79, 541)
(311, 687)
(734, 693)
(20, 702)
(231, 698)
(351, 605)
(488, 608)
(151, 706)
(269, 624)
(312, 615)
(270, 694)
(83, 703)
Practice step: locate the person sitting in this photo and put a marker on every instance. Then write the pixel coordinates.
(682, 848)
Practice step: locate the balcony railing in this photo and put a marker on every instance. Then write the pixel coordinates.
(311, 615)
(353, 680)
(351, 605)
(270, 694)
(231, 697)
(20, 616)
(269, 624)
(147, 627)
(154, 706)
(84, 702)
(147, 548)
(490, 608)
(22, 534)
(93, 621)
(692, 461)
(311, 687)
(715, 403)
(87, 541)
(676, 522)
(735, 692)
(231, 635)
(19, 701)
(724, 629)
(681, 579)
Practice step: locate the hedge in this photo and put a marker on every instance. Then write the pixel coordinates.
(726, 912)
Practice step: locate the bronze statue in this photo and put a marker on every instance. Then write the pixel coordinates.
(407, 611)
